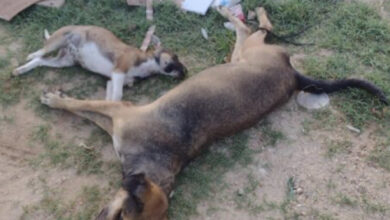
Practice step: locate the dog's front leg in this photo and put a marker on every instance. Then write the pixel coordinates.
(118, 80)
(109, 90)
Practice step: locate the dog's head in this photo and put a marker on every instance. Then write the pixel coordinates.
(137, 199)
(170, 64)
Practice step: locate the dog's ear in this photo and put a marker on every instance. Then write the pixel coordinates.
(136, 185)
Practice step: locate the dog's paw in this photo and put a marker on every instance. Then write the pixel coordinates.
(52, 99)
(16, 72)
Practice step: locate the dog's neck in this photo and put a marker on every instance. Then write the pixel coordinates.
(146, 66)
(159, 167)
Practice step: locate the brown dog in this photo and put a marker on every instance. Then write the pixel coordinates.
(155, 141)
(100, 51)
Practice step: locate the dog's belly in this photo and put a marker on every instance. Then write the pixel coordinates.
(90, 57)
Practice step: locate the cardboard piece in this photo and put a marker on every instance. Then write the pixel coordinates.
(197, 6)
(148, 38)
(10, 8)
(52, 3)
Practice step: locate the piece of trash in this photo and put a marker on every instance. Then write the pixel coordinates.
(10, 8)
(148, 38)
(237, 11)
(197, 6)
(352, 128)
(85, 146)
(229, 25)
(312, 101)
(52, 3)
(204, 33)
(225, 3)
(149, 10)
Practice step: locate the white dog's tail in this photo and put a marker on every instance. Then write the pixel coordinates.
(46, 34)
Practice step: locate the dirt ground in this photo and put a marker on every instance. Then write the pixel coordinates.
(343, 185)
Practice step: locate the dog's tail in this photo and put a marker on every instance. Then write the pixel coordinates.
(308, 84)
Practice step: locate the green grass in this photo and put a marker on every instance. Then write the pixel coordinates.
(246, 198)
(381, 155)
(270, 136)
(65, 155)
(335, 147)
(345, 200)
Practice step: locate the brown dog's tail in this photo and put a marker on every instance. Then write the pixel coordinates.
(308, 84)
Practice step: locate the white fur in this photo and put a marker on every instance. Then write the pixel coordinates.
(36, 54)
(118, 80)
(64, 61)
(145, 69)
(92, 59)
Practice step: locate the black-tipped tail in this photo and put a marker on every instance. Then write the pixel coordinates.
(308, 84)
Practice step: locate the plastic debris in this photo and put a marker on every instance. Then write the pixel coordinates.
(312, 101)
(204, 33)
(352, 128)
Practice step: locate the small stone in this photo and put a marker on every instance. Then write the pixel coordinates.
(299, 191)
(240, 192)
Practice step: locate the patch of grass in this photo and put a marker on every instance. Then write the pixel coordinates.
(381, 156)
(374, 207)
(65, 155)
(359, 39)
(98, 136)
(246, 198)
(84, 207)
(336, 147)
(3, 63)
(345, 200)
(203, 177)
(270, 136)
(7, 119)
(321, 216)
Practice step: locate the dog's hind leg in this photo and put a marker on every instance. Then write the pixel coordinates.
(262, 17)
(242, 32)
(259, 36)
(63, 59)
